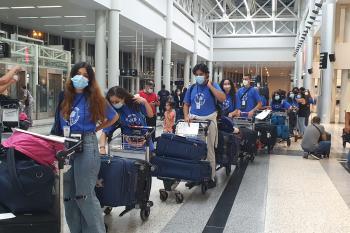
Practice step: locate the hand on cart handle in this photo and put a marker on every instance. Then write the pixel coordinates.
(62, 155)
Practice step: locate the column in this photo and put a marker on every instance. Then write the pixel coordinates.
(327, 45)
(139, 72)
(167, 45)
(195, 49)
(100, 48)
(344, 93)
(298, 82)
(76, 50)
(174, 74)
(210, 62)
(187, 70)
(309, 53)
(113, 44)
(158, 66)
(221, 73)
(211, 74)
(83, 49)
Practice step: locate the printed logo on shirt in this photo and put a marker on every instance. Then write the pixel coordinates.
(133, 119)
(74, 116)
(199, 100)
(226, 104)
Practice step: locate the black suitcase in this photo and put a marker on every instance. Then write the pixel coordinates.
(228, 151)
(267, 135)
(248, 141)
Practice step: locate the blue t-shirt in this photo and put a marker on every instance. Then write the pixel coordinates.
(283, 105)
(263, 101)
(292, 102)
(227, 106)
(129, 117)
(80, 117)
(251, 99)
(201, 100)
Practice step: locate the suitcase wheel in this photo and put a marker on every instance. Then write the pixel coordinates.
(228, 169)
(179, 198)
(163, 195)
(289, 142)
(204, 188)
(144, 213)
(252, 157)
(108, 210)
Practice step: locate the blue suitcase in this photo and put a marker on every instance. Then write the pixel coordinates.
(124, 182)
(195, 171)
(174, 146)
(283, 132)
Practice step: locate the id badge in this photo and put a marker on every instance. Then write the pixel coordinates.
(243, 103)
(66, 131)
(198, 106)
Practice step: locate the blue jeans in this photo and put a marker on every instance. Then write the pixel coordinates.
(323, 148)
(84, 215)
(301, 125)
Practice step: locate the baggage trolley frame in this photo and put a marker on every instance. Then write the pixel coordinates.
(243, 122)
(170, 184)
(286, 123)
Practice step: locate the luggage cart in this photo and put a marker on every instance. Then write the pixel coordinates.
(284, 115)
(243, 122)
(138, 147)
(9, 113)
(170, 184)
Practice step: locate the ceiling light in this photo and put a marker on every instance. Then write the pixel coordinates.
(88, 36)
(75, 16)
(54, 6)
(72, 31)
(90, 31)
(52, 25)
(28, 17)
(304, 34)
(22, 7)
(4, 8)
(315, 12)
(50, 17)
(312, 17)
(90, 24)
(306, 31)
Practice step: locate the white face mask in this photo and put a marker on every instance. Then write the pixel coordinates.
(118, 105)
(245, 82)
(227, 87)
(150, 90)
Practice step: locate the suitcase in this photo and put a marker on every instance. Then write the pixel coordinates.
(283, 132)
(174, 146)
(30, 223)
(125, 182)
(179, 169)
(227, 151)
(267, 134)
(248, 140)
(346, 138)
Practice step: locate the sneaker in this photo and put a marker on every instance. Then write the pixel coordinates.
(305, 156)
(315, 156)
(212, 184)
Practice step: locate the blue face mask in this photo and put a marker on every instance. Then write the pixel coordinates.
(80, 82)
(298, 96)
(200, 80)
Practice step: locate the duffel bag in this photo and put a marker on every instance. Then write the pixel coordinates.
(174, 146)
(25, 186)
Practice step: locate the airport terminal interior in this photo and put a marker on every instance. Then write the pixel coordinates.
(284, 47)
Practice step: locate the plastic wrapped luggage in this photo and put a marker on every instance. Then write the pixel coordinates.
(227, 151)
(124, 182)
(267, 135)
(174, 146)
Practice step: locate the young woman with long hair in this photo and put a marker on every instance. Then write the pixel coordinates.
(228, 107)
(84, 111)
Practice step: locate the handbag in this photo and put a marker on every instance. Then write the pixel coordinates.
(26, 186)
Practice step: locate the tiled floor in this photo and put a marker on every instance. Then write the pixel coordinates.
(279, 193)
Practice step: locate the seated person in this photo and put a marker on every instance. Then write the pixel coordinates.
(131, 111)
(315, 140)
(278, 103)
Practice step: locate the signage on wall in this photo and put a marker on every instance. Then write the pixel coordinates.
(323, 60)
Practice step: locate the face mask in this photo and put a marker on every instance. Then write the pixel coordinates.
(80, 82)
(150, 91)
(258, 85)
(306, 93)
(245, 82)
(200, 80)
(298, 96)
(291, 96)
(118, 105)
(277, 97)
(227, 87)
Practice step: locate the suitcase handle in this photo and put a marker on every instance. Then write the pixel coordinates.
(62, 155)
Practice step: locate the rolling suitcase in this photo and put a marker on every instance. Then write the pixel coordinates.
(267, 135)
(228, 151)
(174, 146)
(125, 182)
(248, 141)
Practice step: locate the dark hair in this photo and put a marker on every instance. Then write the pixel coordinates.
(163, 86)
(97, 102)
(295, 90)
(232, 92)
(273, 97)
(202, 67)
(24, 87)
(171, 103)
(302, 89)
(125, 95)
(316, 120)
